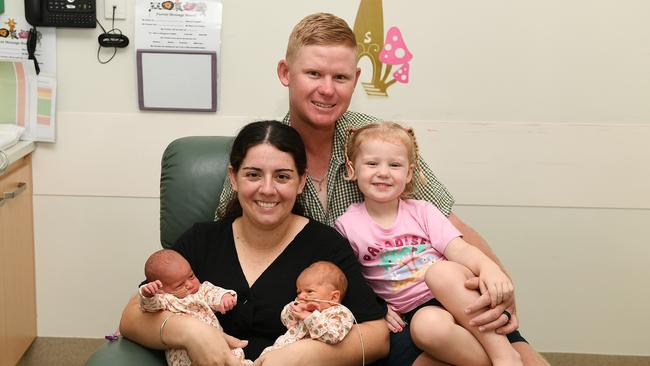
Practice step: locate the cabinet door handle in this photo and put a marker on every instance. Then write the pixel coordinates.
(11, 195)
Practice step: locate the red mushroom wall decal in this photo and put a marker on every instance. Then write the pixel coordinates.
(401, 75)
(395, 52)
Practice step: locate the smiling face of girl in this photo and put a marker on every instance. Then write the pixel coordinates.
(382, 157)
(382, 170)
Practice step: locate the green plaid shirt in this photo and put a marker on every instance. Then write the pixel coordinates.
(342, 193)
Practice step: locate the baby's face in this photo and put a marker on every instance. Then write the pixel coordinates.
(180, 280)
(310, 288)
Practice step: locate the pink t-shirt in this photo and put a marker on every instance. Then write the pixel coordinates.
(394, 260)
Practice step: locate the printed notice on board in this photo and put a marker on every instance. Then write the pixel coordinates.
(14, 31)
(180, 25)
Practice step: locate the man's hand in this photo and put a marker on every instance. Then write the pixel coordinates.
(151, 288)
(394, 320)
(493, 318)
(227, 303)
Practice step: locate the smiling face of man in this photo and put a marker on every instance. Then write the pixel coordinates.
(321, 81)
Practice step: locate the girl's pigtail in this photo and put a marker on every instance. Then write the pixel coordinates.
(418, 176)
(349, 137)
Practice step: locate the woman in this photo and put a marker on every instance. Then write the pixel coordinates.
(258, 250)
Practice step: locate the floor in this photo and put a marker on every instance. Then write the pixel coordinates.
(76, 351)
(60, 351)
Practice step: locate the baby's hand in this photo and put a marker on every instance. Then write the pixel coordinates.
(302, 310)
(151, 288)
(227, 303)
(497, 284)
(395, 322)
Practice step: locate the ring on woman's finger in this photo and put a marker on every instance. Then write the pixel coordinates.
(508, 315)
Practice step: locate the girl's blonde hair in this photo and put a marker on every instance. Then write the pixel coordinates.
(390, 132)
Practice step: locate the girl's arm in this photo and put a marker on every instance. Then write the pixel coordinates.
(492, 279)
(204, 343)
(348, 352)
(472, 237)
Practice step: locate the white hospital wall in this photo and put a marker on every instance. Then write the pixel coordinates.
(534, 114)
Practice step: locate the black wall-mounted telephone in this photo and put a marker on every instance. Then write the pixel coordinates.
(61, 13)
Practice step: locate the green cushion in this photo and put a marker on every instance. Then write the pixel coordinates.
(126, 353)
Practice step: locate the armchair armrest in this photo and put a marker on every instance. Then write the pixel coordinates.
(123, 352)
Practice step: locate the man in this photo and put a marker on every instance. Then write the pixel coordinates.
(320, 71)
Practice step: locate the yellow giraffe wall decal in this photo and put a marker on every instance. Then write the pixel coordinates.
(369, 32)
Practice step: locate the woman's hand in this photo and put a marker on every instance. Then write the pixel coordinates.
(234, 342)
(394, 320)
(493, 318)
(205, 344)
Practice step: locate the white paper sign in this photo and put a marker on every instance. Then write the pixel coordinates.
(179, 25)
(13, 42)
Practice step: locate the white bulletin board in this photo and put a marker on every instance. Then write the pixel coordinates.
(177, 80)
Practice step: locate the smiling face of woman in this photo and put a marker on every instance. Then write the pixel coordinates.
(267, 184)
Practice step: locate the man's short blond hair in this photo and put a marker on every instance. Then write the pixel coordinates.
(320, 29)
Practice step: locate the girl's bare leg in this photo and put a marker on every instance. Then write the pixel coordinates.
(425, 360)
(446, 280)
(436, 333)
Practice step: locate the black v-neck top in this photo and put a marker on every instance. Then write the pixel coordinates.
(210, 249)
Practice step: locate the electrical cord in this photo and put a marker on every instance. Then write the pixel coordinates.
(112, 38)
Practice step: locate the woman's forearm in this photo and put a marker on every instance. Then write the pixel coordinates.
(375, 339)
(205, 344)
(349, 352)
(142, 327)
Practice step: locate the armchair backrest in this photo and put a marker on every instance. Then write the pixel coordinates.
(192, 175)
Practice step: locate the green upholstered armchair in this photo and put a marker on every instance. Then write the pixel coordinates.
(191, 179)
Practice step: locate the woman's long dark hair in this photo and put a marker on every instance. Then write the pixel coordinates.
(276, 134)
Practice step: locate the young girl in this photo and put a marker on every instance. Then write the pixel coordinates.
(412, 256)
